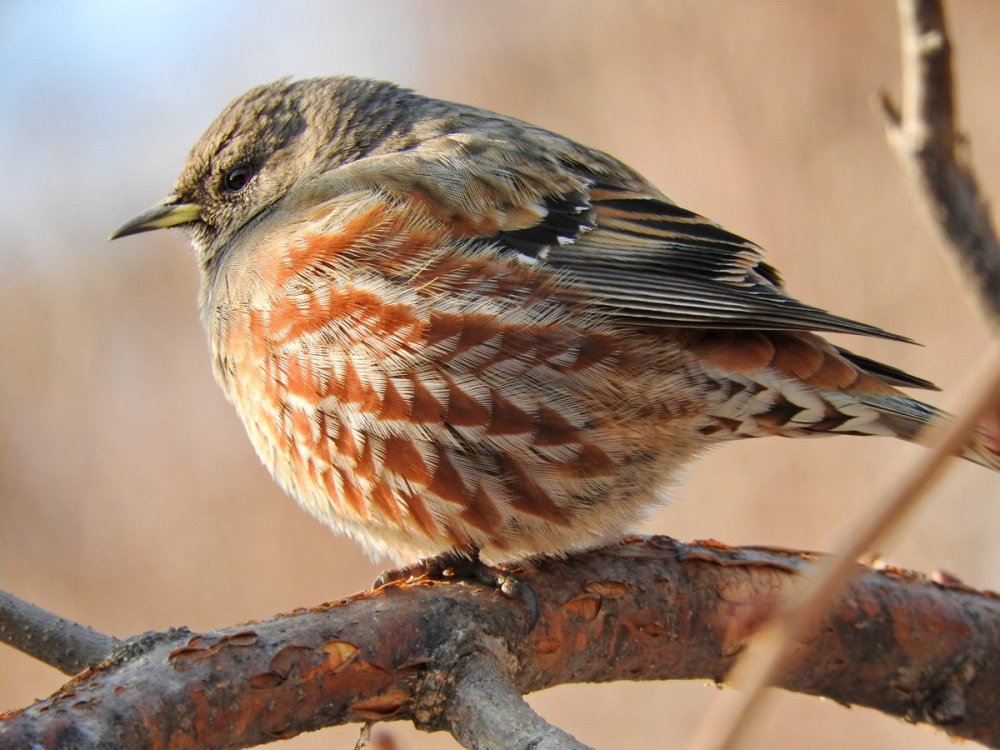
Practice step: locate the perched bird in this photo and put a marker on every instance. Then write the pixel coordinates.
(447, 330)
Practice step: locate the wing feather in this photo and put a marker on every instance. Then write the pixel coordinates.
(631, 251)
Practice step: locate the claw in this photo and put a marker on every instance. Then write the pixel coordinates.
(512, 588)
(450, 564)
(465, 565)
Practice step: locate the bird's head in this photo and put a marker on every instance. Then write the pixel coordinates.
(268, 140)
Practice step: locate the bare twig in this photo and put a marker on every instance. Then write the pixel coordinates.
(927, 139)
(663, 609)
(66, 645)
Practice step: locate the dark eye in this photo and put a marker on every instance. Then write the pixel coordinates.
(237, 178)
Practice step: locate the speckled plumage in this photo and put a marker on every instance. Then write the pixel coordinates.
(445, 329)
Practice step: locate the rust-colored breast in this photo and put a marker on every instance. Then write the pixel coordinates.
(399, 385)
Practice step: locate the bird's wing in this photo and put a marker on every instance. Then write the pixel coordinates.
(631, 251)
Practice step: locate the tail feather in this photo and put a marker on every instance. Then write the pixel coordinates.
(886, 373)
(797, 384)
(922, 423)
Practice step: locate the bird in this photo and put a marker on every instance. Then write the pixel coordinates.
(451, 332)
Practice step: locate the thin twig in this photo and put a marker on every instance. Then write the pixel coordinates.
(66, 645)
(928, 141)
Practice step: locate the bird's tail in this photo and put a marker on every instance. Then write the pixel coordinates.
(796, 384)
(922, 423)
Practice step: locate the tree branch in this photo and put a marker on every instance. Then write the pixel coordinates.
(485, 711)
(426, 652)
(66, 645)
(927, 139)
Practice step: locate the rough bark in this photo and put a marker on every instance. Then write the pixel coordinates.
(644, 609)
(66, 645)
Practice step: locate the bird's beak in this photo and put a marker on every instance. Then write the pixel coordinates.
(168, 213)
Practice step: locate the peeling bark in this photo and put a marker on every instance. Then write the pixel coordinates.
(648, 608)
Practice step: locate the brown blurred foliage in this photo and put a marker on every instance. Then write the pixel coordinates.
(131, 500)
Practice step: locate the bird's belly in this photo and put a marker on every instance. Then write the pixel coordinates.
(517, 439)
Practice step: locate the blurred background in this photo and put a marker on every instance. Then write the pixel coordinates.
(130, 498)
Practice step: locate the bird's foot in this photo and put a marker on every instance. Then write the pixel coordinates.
(450, 565)
(466, 565)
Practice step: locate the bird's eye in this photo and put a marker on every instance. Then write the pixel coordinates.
(237, 178)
